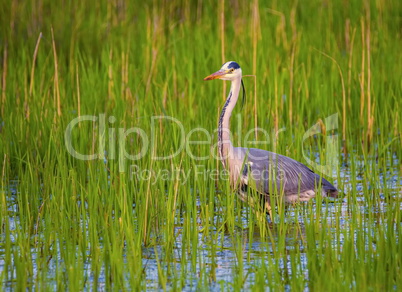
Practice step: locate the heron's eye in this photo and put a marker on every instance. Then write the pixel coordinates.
(231, 70)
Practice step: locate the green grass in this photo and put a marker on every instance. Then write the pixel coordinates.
(70, 223)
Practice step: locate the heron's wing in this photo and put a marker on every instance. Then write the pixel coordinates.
(272, 172)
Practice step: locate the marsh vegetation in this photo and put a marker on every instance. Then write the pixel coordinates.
(147, 209)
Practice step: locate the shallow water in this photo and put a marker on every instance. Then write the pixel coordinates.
(222, 261)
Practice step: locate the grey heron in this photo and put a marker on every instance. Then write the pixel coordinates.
(271, 173)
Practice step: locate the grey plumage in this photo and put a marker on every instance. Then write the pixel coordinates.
(269, 173)
(276, 173)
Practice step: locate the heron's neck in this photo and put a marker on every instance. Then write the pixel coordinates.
(224, 143)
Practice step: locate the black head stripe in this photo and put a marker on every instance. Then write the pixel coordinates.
(244, 94)
(233, 65)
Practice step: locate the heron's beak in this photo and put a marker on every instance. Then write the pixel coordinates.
(217, 75)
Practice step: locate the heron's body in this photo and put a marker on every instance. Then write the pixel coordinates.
(268, 172)
(274, 173)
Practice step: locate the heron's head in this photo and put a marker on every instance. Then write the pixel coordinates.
(229, 71)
